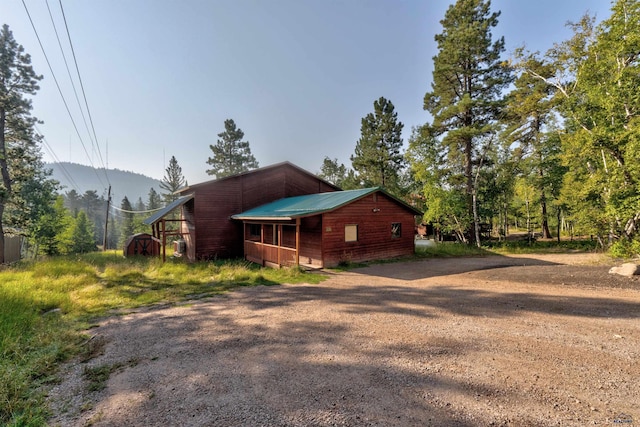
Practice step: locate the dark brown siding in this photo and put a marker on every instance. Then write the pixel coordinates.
(218, 236)
(373, 215)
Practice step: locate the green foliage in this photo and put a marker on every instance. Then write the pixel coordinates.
(82, 239)
(596, 79)
(448, 249)
(172, 181)
(333, 172)
(625, 249)
(45, 305)
(154, 201)
(127, 224)
(53, 229)
(231, 155)
(26, 192)
(536, 247)
(465, 102)
(378, 159)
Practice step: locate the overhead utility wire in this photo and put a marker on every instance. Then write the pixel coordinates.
(52, 153)
(136, 212)
(84, 95)
(60, 91)
(64, 57)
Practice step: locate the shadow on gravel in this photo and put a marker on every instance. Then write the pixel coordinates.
(288, 374)
(427, 301)
(435, 267)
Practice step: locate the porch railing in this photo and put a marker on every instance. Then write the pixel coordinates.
(265, 254)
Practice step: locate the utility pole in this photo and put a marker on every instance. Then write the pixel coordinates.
(106, 220)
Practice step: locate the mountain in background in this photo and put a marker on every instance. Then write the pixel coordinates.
(73, 176)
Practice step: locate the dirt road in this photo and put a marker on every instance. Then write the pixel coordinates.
(521, 341)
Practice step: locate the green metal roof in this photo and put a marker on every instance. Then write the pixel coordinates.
(311, 204)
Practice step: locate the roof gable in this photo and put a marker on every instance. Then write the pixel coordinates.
(256, 171)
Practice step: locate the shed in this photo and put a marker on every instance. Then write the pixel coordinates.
(323, 230)
(141, 244)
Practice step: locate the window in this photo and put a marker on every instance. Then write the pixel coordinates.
(351, 233)
(396, 230)
(254, 231)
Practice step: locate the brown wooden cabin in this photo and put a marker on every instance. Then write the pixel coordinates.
(206, 208)
(323, 230)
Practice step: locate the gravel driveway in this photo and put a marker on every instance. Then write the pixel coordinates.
(521, 341)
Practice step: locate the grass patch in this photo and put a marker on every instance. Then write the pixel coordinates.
(541, 246)
(45, 306)
(450, 249)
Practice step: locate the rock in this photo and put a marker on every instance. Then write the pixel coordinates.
(627, 269)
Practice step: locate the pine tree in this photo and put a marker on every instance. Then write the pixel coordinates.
(466, 99)
(17, 135)
(127, 227)
(83, 239)
(154, 201)
(172, 181)
(378, 159)
(333, 172)
(231, 155)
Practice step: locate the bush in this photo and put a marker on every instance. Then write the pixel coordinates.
(624, 248)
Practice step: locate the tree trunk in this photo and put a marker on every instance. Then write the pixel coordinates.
(558, 215)
(6, 180)
(546, 233)
(468, 173)
(476, 224)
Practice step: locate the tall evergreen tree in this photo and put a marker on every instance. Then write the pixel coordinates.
(172, 181)
(231, 155)
(466, 95)
(378, 159)
(154, 201)
(82, 238)
(127, 227)
(17, 135)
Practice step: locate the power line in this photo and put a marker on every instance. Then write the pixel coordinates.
(84, 95)
(60, 91)
(52, 153)
(64, 57)
(136, 212)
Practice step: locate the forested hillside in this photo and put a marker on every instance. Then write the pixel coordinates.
(73, 176)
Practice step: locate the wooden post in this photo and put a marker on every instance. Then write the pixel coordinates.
(262, 244)
(106, 221)
(279, 228)
(298, 241)
(164, 240)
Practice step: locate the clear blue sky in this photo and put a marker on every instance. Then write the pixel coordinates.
(297, 76)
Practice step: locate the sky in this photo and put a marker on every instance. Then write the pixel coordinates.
(297, 76)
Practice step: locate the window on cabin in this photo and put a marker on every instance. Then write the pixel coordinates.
(351, 233)
(396, 230)
(254, 232)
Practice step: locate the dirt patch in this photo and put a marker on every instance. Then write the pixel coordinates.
(524, 341)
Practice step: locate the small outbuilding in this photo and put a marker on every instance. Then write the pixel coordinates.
(141, 244)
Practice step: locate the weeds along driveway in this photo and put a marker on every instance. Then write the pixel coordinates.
(532, 340)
